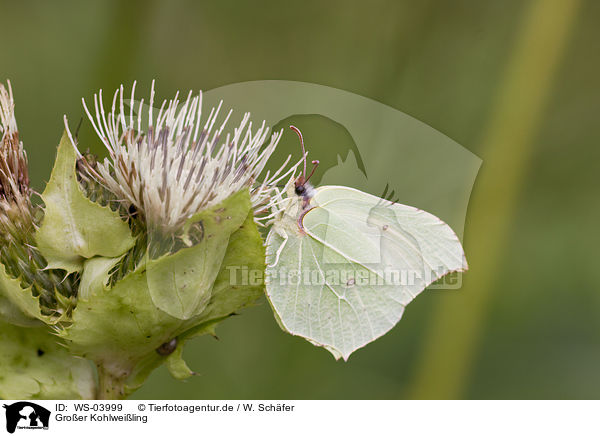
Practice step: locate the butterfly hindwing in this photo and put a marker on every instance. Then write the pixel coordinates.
(313, 299)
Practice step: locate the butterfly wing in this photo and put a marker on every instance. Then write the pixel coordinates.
(368, 229)
(361, 261)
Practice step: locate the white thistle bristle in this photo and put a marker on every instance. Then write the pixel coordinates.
(178, 167)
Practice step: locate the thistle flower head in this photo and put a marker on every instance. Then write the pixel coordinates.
(18, 253)
(180, 163)
(14, 176)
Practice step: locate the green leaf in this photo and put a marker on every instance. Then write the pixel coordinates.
(181, 283)
(19, 306)
(153, 360)
(74, 228)
(204, 328)
(176, 365)
(11, 313)
(142, 371)
(240, 281)
(117, 327)
(34, 366)
(95, 275)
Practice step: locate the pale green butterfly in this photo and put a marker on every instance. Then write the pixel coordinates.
(342, 264)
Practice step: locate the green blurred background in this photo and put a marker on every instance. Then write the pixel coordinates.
(515, 82)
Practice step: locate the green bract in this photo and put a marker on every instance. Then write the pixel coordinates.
(74, 228)
(180, 284)
(33, 365)
(19, 306)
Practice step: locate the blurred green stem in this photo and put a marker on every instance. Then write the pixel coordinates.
(507, 147)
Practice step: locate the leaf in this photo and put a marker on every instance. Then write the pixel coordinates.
(119, 326)
(11, 313)
(204, 328)
(177, 366)
(241, 279)
(232, 291)
(34, 366)
(20, 307)
(74, 228)
(95, 275)
(142, 371)
(181, 283)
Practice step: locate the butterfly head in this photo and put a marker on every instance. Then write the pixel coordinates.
(302, 187)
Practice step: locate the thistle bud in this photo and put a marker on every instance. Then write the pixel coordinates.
(20, 258)
(35, 365)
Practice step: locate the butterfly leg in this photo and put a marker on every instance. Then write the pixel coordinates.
(285, 237)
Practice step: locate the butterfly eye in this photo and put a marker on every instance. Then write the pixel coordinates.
(300, 190)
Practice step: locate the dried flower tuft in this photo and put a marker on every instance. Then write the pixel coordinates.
(14, 177)
(18, 253)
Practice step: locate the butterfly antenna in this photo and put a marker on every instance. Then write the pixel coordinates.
(384, 193)
(299, 133)
(388, 194)
(315, 165)
(78, 127)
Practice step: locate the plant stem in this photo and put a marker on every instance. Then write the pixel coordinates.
(109, 387)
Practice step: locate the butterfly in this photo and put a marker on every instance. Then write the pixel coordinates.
(342, 264)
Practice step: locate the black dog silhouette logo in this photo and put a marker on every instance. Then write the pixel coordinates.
(26, 415)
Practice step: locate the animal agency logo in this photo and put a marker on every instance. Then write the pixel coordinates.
(26, 415)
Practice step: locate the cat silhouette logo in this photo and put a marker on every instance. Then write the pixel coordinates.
(26, 415)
